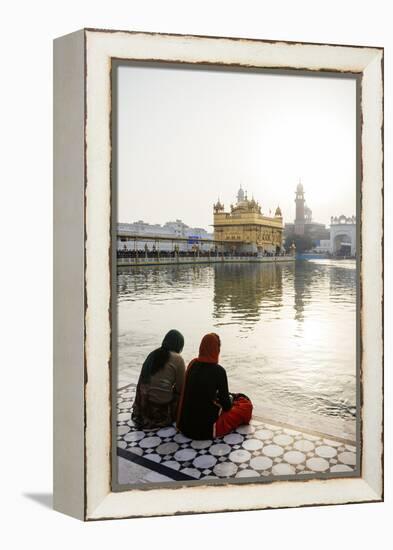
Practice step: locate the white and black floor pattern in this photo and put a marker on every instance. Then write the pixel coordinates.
(261, 449)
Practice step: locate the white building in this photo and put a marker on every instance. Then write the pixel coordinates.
(323, 246)
(171, 230)
(343, 236)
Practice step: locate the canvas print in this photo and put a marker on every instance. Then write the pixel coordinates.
(235, 312)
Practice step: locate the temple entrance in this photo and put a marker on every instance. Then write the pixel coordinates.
(342, 245)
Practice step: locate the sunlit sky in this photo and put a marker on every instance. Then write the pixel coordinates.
(186, 137)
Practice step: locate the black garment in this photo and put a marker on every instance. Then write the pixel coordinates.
(205, 383)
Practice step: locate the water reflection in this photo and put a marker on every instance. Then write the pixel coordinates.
(287, 330)
(245, 291)
(304, 278)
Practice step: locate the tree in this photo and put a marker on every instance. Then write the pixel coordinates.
(302, 242)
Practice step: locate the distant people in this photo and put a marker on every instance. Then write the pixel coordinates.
(160, 384)
(206, 408)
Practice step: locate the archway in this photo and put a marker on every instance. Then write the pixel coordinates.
(342, 244)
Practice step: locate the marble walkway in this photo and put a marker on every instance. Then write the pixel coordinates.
(262, 450)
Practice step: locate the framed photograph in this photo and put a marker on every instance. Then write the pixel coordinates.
(218, 252)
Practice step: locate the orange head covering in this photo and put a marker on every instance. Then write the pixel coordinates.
(209, 349)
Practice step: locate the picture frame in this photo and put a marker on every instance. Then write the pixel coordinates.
(83, 282)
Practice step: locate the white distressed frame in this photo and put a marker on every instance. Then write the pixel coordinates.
(91, 419)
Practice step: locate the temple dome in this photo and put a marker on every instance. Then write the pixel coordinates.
(300, 188)
(218, 206)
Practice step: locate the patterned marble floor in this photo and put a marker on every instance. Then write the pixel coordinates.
(261, 449)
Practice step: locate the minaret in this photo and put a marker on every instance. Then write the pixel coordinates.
(300, 218)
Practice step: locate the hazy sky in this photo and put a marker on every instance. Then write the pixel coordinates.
(188, 136)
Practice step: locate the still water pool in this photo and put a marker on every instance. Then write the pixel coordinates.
(288, 331)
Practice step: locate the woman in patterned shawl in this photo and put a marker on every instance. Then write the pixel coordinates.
(160, 384)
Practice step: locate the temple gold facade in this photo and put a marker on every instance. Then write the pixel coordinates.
(246, 229)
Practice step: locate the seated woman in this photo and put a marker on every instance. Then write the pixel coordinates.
(206, 408)
(160, 384)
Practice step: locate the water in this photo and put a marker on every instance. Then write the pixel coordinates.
(288, 331)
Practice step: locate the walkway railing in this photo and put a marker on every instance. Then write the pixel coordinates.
(166, 260)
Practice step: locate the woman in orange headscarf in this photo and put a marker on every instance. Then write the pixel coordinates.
(206, 408)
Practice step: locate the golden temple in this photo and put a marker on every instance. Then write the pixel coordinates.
(246, 229)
